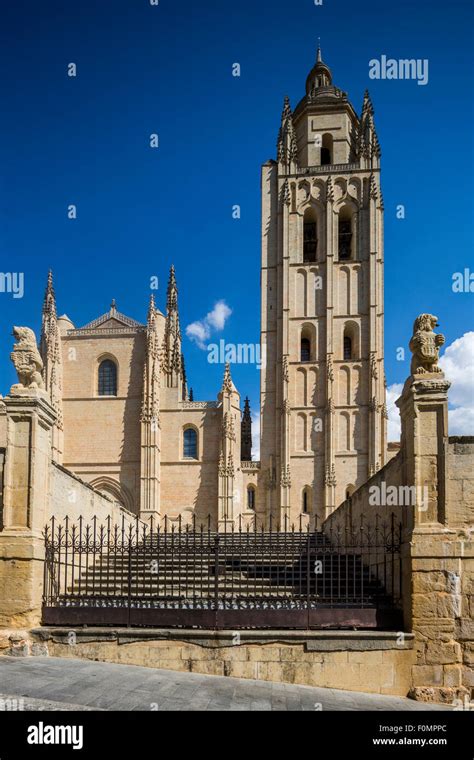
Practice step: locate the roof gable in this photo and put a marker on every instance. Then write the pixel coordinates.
(112, 319)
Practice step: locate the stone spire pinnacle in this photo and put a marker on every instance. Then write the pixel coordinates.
(367, 106)
(49, 303)
(227, 381)
(49, 316)
(151, 307)
(51, 354)
(172, 292)
(287, 149)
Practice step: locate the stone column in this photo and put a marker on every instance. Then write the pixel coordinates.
(30, 418)
(424, 416)
(433, 550)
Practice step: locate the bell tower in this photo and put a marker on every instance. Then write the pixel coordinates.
(323, 413)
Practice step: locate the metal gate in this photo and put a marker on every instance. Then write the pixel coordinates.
(175, 575)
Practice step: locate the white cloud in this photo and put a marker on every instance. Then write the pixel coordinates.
(393, 427)
(255, 437)
(219, 315)
(458, 365)
(198, 332)
(461, 421)
(201, 330)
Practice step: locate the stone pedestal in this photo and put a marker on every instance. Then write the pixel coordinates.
(30, 418)
(434, 561)
(424, 415)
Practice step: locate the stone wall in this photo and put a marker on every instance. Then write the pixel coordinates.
(2, 469)
(72, 497)
(373, 662)
(443, 587)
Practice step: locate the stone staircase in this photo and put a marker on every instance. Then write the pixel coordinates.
(237, 569)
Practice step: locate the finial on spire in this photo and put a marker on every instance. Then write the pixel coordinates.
(318, 55)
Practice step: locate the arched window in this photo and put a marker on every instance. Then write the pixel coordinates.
(347, 348)
(326, 150)
(305, 350)
(190, 441)
(251, 498)
(345, 234)
(310, 236)
(107, 385)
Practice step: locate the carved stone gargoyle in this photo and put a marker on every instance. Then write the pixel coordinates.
(26, 359)
(425, 345)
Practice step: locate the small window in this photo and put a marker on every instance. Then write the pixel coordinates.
(326, 150)
(347, 348)
(325, 157)
(305, 350)
(310, 243)
(251, 498)
(107, 378)
(305, 501)
(190, 444)
(345, 239)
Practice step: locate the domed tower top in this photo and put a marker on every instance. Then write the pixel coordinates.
(319, 76)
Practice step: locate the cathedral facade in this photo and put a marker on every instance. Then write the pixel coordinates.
(127, 423)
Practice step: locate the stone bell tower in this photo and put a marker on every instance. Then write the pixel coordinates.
(323, 413)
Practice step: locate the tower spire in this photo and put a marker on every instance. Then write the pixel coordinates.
(318, 54)
(246, 433)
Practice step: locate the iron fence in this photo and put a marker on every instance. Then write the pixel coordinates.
(172, 574)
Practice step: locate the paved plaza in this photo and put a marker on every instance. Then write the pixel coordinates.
(54, 683)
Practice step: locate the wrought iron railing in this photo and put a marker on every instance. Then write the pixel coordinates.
(176, 574)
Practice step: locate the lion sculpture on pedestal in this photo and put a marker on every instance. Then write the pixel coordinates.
(425, 345)
(26, 359)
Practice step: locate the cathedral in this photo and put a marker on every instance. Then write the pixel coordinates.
(127, 423)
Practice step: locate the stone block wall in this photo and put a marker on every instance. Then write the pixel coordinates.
(372, 662)
(72, 497)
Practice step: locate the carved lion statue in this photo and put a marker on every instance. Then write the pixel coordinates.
(425, 345)
(26, 358)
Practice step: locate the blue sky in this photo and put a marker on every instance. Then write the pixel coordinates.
(167, 69)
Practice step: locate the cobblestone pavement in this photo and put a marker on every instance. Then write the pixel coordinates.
(56, 683)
